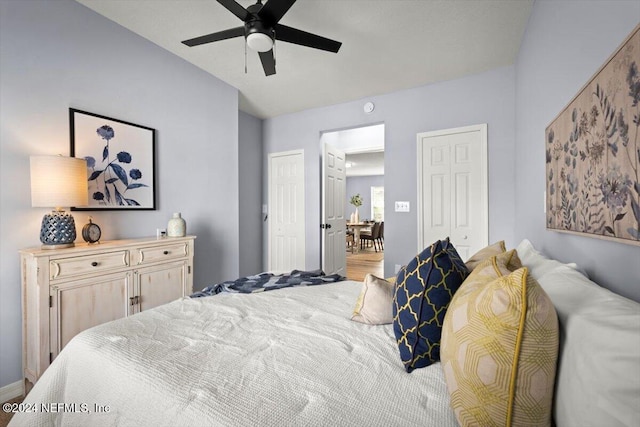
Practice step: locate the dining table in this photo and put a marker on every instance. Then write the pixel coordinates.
(357, 227)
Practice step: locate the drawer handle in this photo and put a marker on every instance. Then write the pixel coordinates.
(94, 264)
(166, 252)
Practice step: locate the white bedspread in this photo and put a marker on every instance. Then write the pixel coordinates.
(289, 357)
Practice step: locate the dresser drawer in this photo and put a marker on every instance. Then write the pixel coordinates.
(160, 253)
(67, 267)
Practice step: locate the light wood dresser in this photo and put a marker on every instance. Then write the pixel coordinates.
(65, 291)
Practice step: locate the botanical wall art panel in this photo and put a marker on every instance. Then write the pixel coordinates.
(120, 161)
(593, 153)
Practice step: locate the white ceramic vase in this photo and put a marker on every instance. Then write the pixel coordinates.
(356, 216)
(177, 226)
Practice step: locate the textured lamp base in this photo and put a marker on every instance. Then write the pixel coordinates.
(58, 230)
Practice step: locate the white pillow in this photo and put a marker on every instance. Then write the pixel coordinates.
(375, 303)
(598, 377)
(537, 263)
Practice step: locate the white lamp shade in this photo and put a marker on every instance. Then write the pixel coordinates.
(260, 42)
(58, 181)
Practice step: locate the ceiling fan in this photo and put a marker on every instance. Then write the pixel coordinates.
(261, 29)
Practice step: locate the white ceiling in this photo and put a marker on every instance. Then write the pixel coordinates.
(365, 164)
(387, 45)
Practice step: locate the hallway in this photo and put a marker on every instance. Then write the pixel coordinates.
(366, 261)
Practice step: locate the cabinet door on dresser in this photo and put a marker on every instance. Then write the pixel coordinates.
(160, 284)
(81, 304)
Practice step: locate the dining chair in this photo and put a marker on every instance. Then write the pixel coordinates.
(381, 236)
(373, 237)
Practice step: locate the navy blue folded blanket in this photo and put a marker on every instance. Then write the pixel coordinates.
(267, 282)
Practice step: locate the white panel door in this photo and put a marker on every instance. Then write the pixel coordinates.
(453, 188)
(437, 213)
(334, 258)
(286, 212)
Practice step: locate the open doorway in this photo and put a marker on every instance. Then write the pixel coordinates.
(364, 161)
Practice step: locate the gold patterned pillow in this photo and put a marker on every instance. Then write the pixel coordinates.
(499, 351)
(484, 253)
(512, 258)
(374, 305)
(488, 270)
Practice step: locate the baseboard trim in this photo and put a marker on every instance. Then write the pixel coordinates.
(11, 391)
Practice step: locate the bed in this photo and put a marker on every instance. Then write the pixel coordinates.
(280, 358)
(293, 357)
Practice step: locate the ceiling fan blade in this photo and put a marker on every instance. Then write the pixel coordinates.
(293, 35)
(235, 8)
(274, 10)
(214, 37)
(268, 62)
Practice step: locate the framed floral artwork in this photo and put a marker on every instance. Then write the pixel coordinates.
(593, 153)
(120, 161)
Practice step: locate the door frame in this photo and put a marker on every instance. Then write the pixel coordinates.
(347, 151)
(482, 129)
(270, 204)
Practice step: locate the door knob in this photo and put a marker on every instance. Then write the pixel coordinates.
(464, 238)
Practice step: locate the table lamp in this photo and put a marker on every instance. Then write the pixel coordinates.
(57, 182)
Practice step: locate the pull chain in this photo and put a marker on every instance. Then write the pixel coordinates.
(245, 55)
(274, 48)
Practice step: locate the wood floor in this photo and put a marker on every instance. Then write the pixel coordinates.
(5, 417)
(367, 261)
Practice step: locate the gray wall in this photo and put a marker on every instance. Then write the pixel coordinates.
(362, 185)
(483, 98)
(59, 54)
(250, 176)
(565, 43)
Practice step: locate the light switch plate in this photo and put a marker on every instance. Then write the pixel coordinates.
(402, 206)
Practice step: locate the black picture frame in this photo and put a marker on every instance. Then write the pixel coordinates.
(120, 161)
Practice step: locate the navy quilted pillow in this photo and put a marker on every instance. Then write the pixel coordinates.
(424, 289)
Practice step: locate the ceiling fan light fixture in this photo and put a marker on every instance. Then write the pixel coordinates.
(261, 22)
(260, 42)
